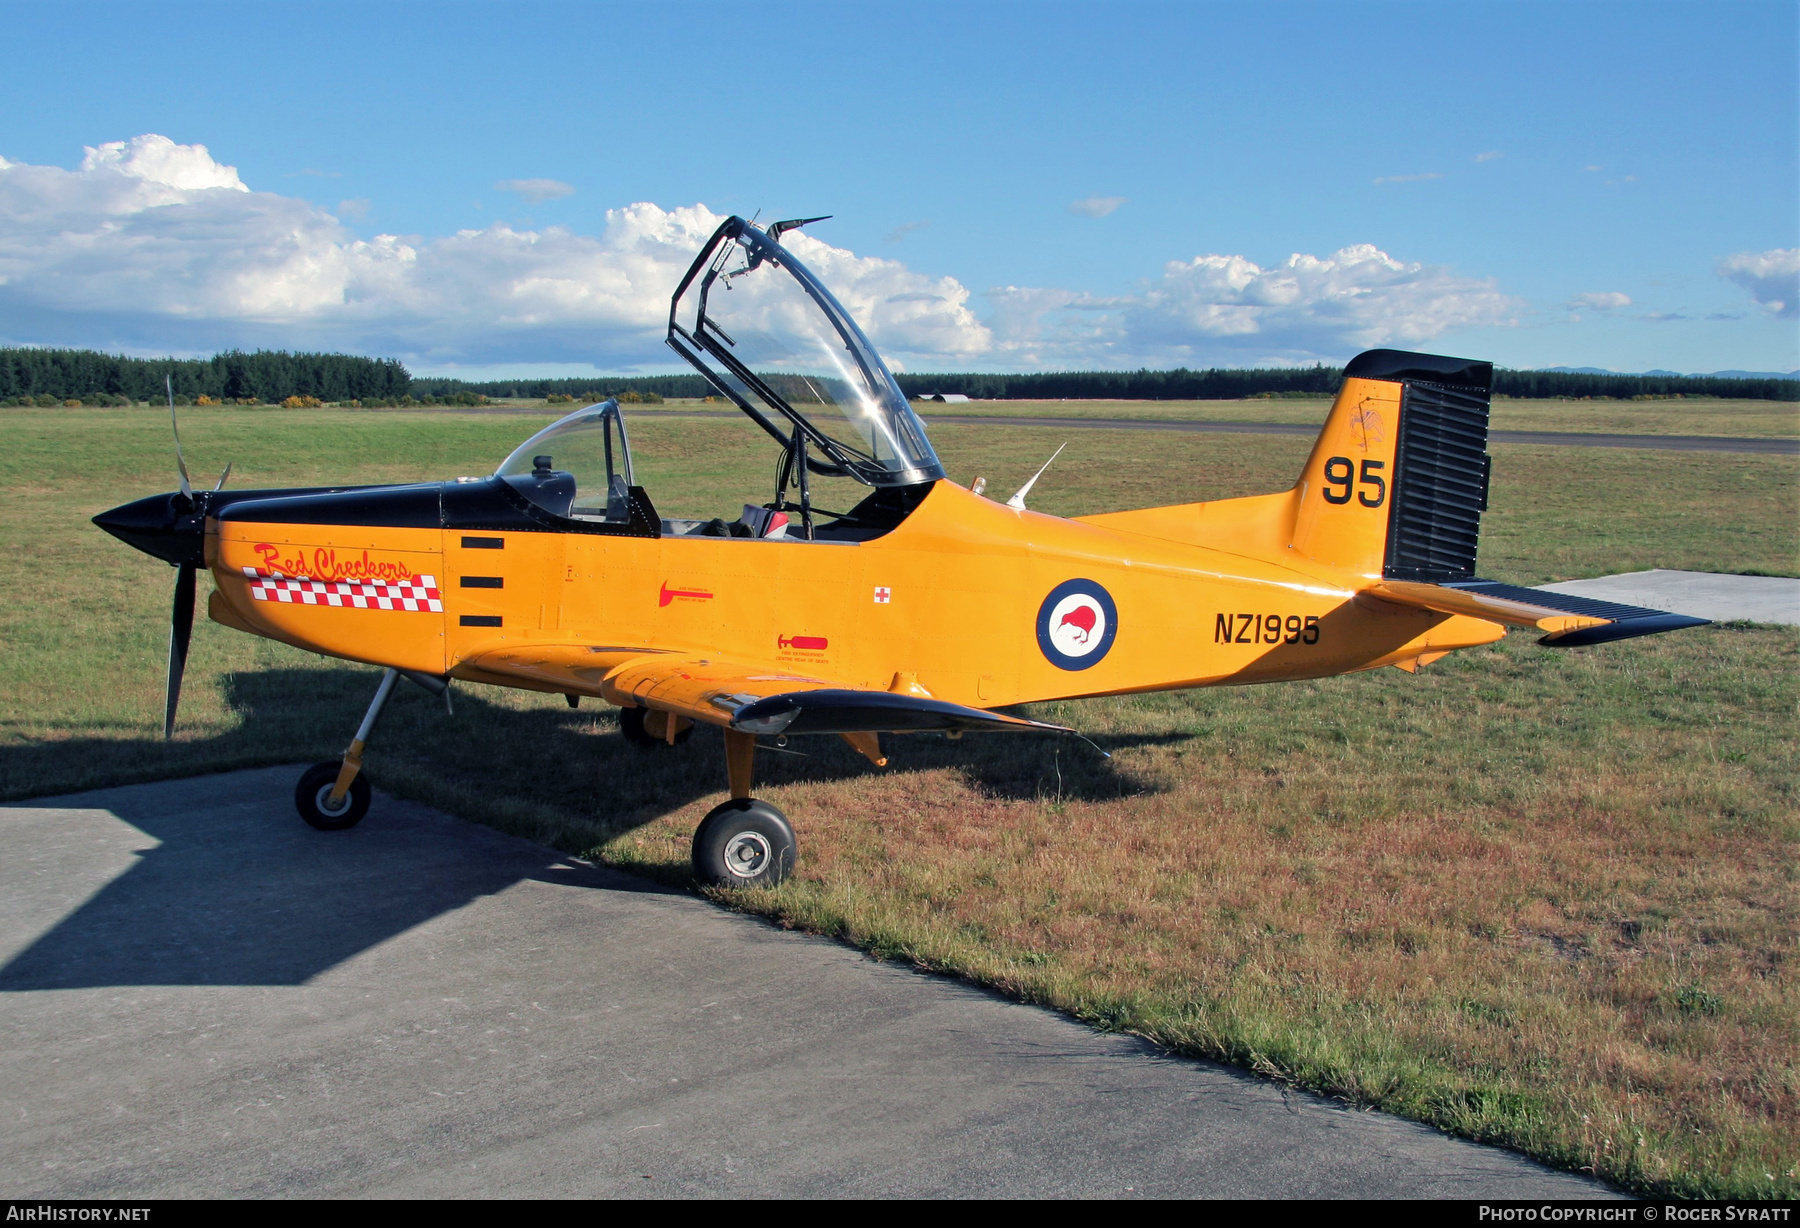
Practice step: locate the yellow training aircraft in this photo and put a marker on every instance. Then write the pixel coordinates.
(923, 607)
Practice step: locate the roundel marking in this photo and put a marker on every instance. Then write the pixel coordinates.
(1076, 625)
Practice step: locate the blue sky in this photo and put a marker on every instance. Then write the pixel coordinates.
(1605, 184)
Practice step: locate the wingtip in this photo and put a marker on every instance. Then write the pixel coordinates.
(1624, 629)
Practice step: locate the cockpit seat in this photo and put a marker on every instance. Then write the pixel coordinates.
(755, 522)
(552, 490)
(618, 499)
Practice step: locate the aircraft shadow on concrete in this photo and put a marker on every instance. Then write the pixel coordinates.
(243, 893)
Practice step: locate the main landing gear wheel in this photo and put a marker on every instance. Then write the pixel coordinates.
(744, 843)
(631, 724)
(312, 797)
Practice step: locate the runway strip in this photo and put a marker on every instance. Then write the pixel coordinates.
(1560, 439)
(1701, 594)
(202, 997)
(1666, 443)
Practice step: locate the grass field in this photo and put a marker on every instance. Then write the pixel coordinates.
(1546, 899)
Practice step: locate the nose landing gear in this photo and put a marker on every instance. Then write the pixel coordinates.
(312, 798)
(335, 796)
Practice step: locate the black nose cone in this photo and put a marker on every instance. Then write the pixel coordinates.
(168, 526)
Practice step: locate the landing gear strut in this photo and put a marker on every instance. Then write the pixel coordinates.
(647, 727)
(335, 796)
(744, 842)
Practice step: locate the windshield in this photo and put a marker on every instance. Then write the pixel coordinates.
(770, 336)
(589, 446)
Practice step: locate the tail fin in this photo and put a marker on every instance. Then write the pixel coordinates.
(1398, 479)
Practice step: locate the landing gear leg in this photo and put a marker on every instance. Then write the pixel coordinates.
(334, 796)
(647, 727)
(744, 842)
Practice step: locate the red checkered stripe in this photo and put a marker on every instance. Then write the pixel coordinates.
(418, 594)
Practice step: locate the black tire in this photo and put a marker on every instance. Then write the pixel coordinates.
(744, 843)
(631, 724)
(314, 789)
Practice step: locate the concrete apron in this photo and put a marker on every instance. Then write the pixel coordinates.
(1699, 594)
(203, 997)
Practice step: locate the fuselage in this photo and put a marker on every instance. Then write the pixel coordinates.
(963, 595)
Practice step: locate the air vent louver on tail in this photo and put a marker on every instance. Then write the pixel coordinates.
(1440, 489)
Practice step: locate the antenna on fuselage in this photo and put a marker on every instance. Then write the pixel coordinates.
(1017, 502)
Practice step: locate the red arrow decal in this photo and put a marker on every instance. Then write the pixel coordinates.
(669, 594)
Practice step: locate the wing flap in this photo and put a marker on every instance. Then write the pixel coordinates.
(574, 669)
(756, 699)
(837, 710)
(1567, 621)
(702, 688)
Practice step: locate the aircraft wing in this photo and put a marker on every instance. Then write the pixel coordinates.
(755, 699)
(1567, 621)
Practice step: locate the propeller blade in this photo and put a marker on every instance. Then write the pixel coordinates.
(181, 633)
(223, 476)
(180, 463)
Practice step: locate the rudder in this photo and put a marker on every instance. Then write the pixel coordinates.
(1398, 478)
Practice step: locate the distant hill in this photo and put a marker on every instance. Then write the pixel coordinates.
(1674, 374)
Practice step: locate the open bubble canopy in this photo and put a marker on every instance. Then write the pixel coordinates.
(768, 334)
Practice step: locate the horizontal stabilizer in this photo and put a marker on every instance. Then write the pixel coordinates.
(847, 711)
(1568, 621)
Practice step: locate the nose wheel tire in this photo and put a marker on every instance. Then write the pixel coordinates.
(744, 843)
(312, 797)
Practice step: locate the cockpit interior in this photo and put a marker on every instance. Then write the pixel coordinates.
(768, 335)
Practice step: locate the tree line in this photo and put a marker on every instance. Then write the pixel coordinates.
(1531, 384)
(273, 376)
(587, 388)
(1215, 384)
(266, 377)
(1235, 383)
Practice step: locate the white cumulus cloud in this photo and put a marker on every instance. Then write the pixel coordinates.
(1600, 300)
(1771, 277)
(151, 246)
(158, 160)
(1228, 309)
(537, 191)
(1096, 206)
